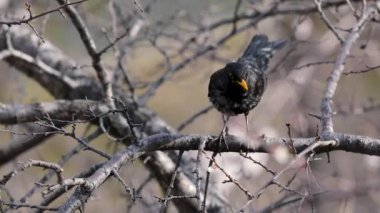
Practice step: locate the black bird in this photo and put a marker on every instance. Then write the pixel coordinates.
(237, 88)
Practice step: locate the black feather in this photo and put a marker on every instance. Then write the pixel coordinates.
(260, 50)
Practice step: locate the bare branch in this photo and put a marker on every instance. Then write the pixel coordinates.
(318, 3)
(31, 17)
(33, 163)
(61, 162)
(171, 184)
(198, 175)
(368, 69)
(231, 179)
(194, 117)
(23, 205)
(332, 81)
(58, 110)
(89, 43)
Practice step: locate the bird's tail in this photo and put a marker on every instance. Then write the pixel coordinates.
(261, 47)
(262, 50)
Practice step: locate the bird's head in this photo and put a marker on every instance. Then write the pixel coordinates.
(237, 79)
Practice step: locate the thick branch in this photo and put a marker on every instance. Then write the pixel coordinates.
(62, 110)
(46, 64)
(89, 43)
(351, 143)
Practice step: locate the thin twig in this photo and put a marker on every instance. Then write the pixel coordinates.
(198, 176)
(231, 179)
(258, 163)
(368, 69)
(313, 64)
(23, 205)
(61, 162)
(90, 46)
(273, 180)
(171, 184)
(31, 17)
(318, 4)
(332, 81)
(209, 168)
(235, 17)
(192, 118)
(126, 187)
(33, 163)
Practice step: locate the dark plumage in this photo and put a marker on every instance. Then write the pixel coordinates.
(237, 88)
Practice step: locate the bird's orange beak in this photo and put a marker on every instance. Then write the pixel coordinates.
(243, 84)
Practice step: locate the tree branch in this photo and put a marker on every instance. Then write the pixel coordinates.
(63, 110)
(351, 143)
(332, 81)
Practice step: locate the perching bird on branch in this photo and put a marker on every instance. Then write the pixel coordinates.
(237, 88)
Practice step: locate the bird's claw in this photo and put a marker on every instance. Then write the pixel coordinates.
(222, 139)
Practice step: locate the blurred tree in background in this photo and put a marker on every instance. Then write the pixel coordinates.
(103, 107)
